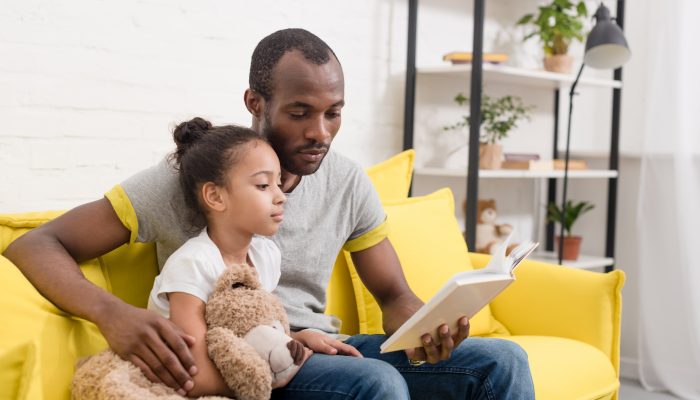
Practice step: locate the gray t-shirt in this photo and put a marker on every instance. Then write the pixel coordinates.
(328, 208)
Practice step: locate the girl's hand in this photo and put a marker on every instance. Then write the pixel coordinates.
(320, 343)
(298, 351)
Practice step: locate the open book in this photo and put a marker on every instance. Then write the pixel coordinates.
(463, 295)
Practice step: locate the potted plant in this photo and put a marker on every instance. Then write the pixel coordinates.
(557, 24)
(572, 244)
(498, 117)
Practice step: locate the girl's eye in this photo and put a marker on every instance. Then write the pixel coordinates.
(263, 186)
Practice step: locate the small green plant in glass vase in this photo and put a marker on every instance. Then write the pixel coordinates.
(557, 24)
(499, 116)
(574, 210)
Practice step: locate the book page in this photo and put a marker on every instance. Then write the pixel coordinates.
(504, 265)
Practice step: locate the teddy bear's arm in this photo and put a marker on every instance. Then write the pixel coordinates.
(244, 371)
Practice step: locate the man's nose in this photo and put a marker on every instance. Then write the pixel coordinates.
(319, 131)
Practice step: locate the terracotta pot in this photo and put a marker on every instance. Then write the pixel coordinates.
(572, 247)
(558, 63)
(490, 156)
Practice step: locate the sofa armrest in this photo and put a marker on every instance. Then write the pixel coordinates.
(552, 300)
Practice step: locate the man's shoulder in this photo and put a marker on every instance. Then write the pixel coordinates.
(162, 174)
(338, 164)
(156, 188)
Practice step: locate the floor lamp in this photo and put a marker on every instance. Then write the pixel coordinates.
(606, 48)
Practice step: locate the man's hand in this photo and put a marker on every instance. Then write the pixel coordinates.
(298, 352)
(153, 343)
(435, 352)
(320, 343)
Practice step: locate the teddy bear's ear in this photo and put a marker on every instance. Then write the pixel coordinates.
(237, 276)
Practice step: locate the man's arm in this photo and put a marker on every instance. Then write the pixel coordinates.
(381, 272)
(48, 257)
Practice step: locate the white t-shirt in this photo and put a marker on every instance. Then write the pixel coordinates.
(195, 267)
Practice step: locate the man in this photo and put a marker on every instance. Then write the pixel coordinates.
(295, 98)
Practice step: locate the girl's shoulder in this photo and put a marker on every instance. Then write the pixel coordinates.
(199, 247)
(262, 245)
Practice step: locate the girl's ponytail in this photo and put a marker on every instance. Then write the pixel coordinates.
(187, 133)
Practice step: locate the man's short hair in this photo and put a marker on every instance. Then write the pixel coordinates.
(271, 49)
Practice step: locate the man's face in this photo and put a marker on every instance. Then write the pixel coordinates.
(303, 114)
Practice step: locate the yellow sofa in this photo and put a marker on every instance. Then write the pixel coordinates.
(568, 321)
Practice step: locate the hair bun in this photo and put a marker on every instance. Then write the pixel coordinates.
(188, 132)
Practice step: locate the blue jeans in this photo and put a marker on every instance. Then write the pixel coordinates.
(479, 368)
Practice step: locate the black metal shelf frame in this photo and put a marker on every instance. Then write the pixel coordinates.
(476, 86)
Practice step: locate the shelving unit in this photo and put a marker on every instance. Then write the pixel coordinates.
(514, 173)
(477, 72)
(518, 76)
(583, 262)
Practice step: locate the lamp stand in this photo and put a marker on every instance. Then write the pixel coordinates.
(572, 92)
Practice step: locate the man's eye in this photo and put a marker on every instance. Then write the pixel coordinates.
(334, 114)
(297, 115)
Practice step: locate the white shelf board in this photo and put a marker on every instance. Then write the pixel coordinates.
(516, 173)
(583, 262)
(521, 76)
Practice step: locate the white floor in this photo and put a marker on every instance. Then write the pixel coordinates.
(632, 390)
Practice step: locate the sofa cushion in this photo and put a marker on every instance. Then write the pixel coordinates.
(430, 246)
(19, 378)
(568, 369)
(392, 177)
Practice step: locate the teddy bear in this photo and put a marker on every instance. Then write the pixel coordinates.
(489, 234)
(247, 336)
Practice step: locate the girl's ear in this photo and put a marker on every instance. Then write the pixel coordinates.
(213, 197)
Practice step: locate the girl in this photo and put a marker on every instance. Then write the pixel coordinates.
(230, 179)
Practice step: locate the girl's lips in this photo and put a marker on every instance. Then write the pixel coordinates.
(277, 217)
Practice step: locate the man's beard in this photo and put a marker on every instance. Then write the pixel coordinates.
(288, 156)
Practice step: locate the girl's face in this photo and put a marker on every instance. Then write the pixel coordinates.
(252, 197)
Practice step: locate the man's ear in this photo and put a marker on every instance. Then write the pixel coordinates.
(254, 102)
(213, 197)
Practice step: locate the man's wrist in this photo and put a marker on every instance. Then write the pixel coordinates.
(104, 308)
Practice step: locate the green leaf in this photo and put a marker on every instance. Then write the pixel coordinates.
(581, 9)
(525, 19)
(571, 214)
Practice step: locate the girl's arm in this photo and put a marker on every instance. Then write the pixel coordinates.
(187, 312)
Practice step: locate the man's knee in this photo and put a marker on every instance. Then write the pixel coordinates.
(510, 353)
(496, 352)
(381, 380)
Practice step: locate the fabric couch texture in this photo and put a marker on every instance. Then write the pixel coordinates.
(568, 321)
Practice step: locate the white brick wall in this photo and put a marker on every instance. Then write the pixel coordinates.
(90, 90)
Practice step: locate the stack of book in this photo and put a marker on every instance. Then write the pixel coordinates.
(465, 57)
(532, 162)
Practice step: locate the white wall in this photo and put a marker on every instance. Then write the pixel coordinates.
(90, 90)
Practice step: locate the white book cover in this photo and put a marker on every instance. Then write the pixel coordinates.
(464, 294)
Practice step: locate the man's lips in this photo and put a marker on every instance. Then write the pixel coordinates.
(312, 155)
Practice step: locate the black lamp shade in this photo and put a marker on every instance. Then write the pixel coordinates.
(606, 47)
